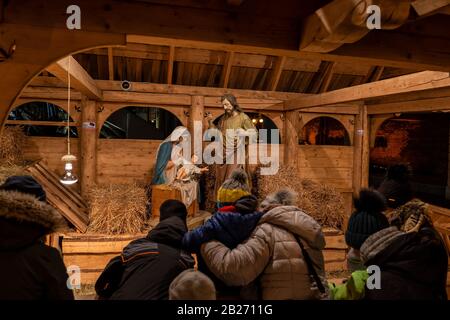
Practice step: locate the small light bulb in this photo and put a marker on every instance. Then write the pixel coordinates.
(254, 120)
(261, 120)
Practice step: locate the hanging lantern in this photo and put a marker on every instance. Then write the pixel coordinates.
(69, 177)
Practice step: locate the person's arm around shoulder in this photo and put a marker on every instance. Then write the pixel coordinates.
(193, 239)
(241, 265)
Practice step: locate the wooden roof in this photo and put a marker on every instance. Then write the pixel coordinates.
(206, 68)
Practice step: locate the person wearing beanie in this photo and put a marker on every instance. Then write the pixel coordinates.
(192, 285)
(282, 258)
(233, 188)
(411, 257)
(147, 266)
(230, 225)
(396, 186)
(30, 270)
(367, 219)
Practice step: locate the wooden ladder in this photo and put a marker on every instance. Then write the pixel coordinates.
(69, 203)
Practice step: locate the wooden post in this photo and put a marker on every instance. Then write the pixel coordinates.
(361, 151)
(365, 161)
(196, 114)
(88, 145)
(291, 138)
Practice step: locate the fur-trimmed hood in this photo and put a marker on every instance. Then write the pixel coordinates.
(24, 219)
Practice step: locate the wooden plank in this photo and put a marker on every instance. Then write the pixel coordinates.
(88, 261)
(328, 75)
(351, 54)
(88, 147)
(374, 74)
(170, 64)
(419, 81)
(54, 198)
(421, 105)
(148, 98)
(90, 247)
(55, 179)
(110, 64)
(80, 79)
(276, 73)
(335, 242)
(41, 123)
(226, 71)
(424, 7)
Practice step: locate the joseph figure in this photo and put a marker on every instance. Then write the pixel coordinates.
(233, 118)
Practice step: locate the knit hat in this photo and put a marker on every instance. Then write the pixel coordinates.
(24, 184)
(192, 285)
(283, 197)
(367, 219)
(233, 188)
(172, 208)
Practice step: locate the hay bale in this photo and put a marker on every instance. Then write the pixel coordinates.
(12, 142)
(322, 202)
(117, 209)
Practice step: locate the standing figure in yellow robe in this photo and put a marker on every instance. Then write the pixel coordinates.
(234, 118)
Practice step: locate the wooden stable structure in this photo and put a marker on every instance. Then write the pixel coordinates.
(291, 61)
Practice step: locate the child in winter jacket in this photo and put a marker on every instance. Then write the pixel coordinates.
(235, 219)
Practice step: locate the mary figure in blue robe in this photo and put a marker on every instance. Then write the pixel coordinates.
(165, 167)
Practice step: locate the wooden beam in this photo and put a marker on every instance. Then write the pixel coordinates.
(291, 135)
(356, 53)
(88, 146)
(327, 76)
(193, 90)
(110, 63)
(226, 71)
(41, 123)
(420, 81)
(80, 79)
(170, 64)
(276, 73)
(422, 105)
(374, 74)
(424, 7)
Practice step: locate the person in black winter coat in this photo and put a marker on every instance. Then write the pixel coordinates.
(411, 256)
(147, 266)
(29, 269)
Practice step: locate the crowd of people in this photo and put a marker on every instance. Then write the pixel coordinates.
(272, 250)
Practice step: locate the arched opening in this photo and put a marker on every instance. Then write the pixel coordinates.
(261, 122)
(131, 122)
(421, 142)
(324, 131)
(54, 116)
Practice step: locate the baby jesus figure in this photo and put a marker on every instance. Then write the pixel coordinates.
(185, 181)
(188, 169)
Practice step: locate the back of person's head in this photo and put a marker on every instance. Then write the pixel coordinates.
(172, 208)
(24, 184)
(192, 285)
(367, 219)
(283, 197)
(233, 188)
(396, 186)
(246, 204)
